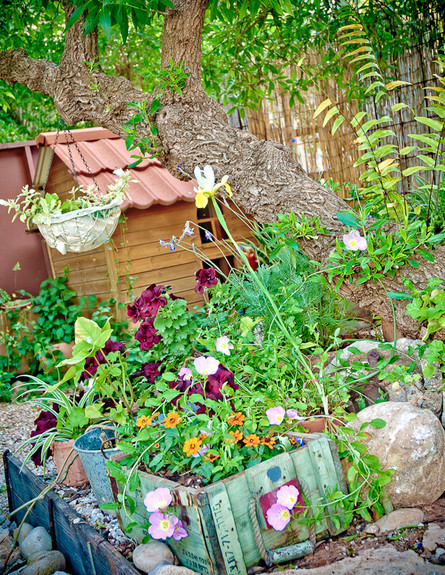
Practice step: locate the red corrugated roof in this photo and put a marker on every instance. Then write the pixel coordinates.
(104, 152)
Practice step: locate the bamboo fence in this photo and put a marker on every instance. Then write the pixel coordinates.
(324, 156)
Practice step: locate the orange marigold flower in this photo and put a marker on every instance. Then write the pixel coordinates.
(202, 436)
(172, 419)
(192, 446)
(210, 457)
(237, 436)
(292, 440)
(157, 445)
(252, 440)
(236, 419)
(143, 421)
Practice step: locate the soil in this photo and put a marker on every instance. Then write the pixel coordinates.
(17, 420)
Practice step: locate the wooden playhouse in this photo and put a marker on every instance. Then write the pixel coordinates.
(157, 209)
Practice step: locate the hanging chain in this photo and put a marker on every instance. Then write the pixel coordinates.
(52, 155)
(73, 141)
(68, 136)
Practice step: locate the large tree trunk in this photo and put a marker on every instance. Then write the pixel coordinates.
(193, 131)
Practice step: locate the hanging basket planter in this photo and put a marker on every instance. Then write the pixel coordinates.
(80, 230)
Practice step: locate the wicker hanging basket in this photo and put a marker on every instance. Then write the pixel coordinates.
(81, 230)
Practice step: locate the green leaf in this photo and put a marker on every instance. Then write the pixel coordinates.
(433, 124)
(398, 295)
(322, 107)
(414, 264)
(378, 423)
(426, 255)
(348, 219)
(105, 22)
(338, 122)
(94, 411)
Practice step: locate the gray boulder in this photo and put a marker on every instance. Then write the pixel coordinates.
(45, 563)
(413, 444)
(37, 540)
(148, 555)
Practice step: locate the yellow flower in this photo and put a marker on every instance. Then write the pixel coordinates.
(210, 457)
(206, 186)
(268, 441)
(172, 420)
(192, 446)
(236, 419)
(143, 421)
(237, 436)
(252, 440)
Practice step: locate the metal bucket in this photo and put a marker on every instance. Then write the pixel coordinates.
(93, 458)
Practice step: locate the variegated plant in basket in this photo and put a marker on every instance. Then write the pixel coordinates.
(86, 220)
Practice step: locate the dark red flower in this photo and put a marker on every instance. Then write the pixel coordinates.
(206, 278)
(216, 381)
(44, 422)
(147, 305)
(211, 388)
(150, 371)
(92, 363)
(146, 335)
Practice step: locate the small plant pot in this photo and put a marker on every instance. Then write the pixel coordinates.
(88, 446)
(76, 475)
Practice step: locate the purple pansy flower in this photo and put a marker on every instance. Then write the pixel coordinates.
(146, 335)
(206, 278)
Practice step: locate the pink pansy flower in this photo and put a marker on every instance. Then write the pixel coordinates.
(293, 414)
(179, 532)
(275, 415)
(354, 241)
(206, 365)
(185, 373)
(158, 499)
(287, 496)
(278, 516)
(161, 525)
(223, 345)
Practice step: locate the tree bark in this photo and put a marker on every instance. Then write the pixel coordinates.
(193, 131)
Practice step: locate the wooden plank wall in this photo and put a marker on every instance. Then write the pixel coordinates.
(135, 251)
(139, 253)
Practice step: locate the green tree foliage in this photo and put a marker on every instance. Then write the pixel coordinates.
(248, 45)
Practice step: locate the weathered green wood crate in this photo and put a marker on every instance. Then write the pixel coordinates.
(221, 538)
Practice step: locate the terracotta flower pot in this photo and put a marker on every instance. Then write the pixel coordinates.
(76, 473)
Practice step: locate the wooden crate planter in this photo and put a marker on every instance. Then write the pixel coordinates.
(85, 550)
(217, 517)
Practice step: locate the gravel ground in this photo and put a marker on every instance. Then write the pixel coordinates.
(16, 423)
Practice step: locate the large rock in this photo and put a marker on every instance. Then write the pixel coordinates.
(396, 520)
(45, 563)
(383, 561)
(423, 392)
(37, 540)
(148, 555)
(413, 444)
